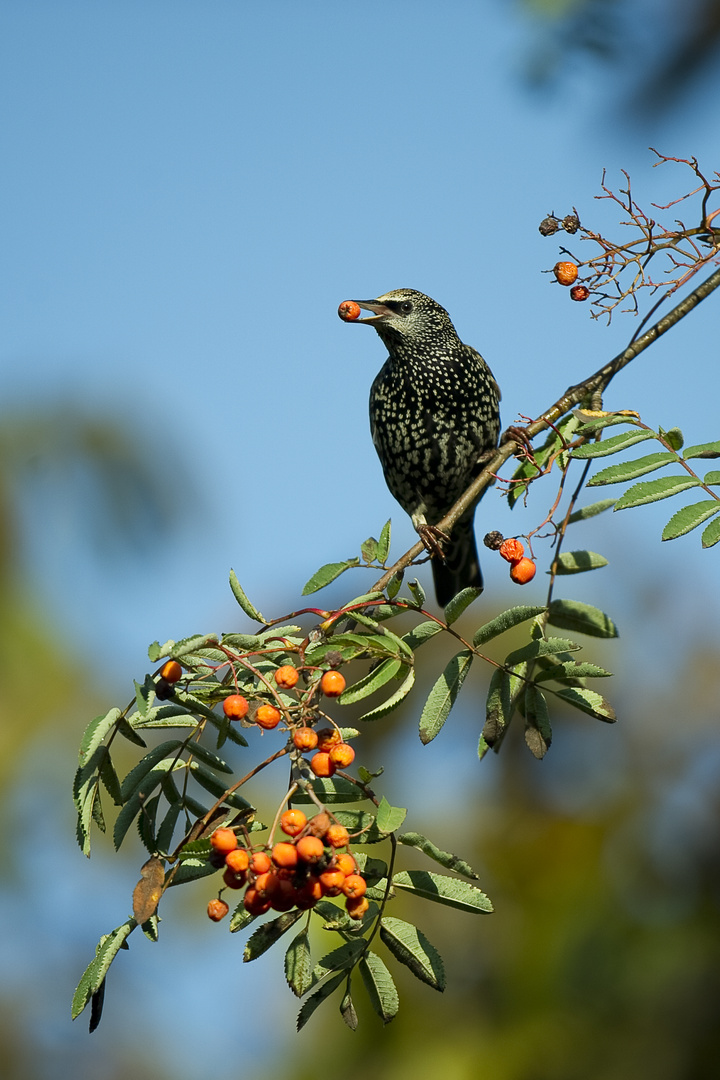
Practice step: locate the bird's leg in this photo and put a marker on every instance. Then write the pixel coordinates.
(518, 435)
(432, 538)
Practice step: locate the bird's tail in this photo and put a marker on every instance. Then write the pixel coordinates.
(460, 568)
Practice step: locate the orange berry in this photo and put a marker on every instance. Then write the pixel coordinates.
(293, 822)
(266, 884)
(322, 765)
(309, 893)
(328, 737)
(332, 684)
(522, 571)
(238, 860)
(217, 910)
(332, 882)
(285, 855)
(345, 862)
(223, 840)
(260, 862)
(337, 836)
(349, 311)
(283, 896)
(310, 849)
(235, 707)
(357, 908)
(286, 676)
(354, 886)
(565, 272)
(342, 755)
(254, 902)
(233, 880)
(512, 550)
(305, 738)
(171, 671)
(579, 292)
(268, 717)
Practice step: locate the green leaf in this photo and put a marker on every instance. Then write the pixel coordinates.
(505, 621)
(298, 964)
(95, 733)
(540, 647)
(588, 701)
(577, 562)
(612, 445)
(331, 790)
(687, 519)
(628, 470)
(240, 919)
(360, 822)
(389, 818)
(326, 574)
(652, 491)
(445, 858)
(443, 890)
(410, 946)
(582, 618)
(208, 757)
(97, 969)
(711, 478)
(498, 711)
(384, 542)
(422, 632)
(216, 787)
(340, 959)
(135, 777)
(418, 593)
(371, 682)
(368, 549)
(380, 987)
(586, 512)
(538, 733)
(347, 1011)
(137, 799)
(270, 932)
(711, 534)
(443, 695)
(674, 436)
(703, 450)
(459, 603)
(239, 594)
(394, 700)
(317, 999)
(110, 779)
(571, 670)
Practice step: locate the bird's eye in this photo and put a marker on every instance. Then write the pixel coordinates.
(406, 307)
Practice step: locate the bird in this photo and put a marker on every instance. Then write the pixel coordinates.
(434, 420)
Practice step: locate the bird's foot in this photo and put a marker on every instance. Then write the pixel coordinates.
(518, 435)
(433, 540)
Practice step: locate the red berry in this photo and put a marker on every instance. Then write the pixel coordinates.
(342, 755)
(512, 550)
(357, 907)
(254, 903)
(345, 862)
(260, 862)
(332, 684)
(522, 571)
(328, 737)
(235, 707)
(285, 855)
(268, 717)
(332, 882)
(579, 292)
(305, 738)
(286, 676)
(354, 886)
(233, 880)
(322, 765)
(238, 860)
(349, 311)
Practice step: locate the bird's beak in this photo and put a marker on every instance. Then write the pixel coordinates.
(381, 311)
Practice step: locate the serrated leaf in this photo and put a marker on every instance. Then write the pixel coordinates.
(577, 562)
(384, 542)
(711, 478)
(582, 618)
(422, 633)
(347, 1011)
(270, 932)
(410, 946)
(368, 549)
(505, 621)
(498, 711)
(240, 919)
(444, 858)
(628, 470)
(95, 733)
(360, 822)
(711, 534)
(651, 491)
(326, 574)
(394, 700)
(703, 450)
(689, 517)
(459, 603)
(570, 669)
(674, 436)
(612, 445)
(538, 733)
(443, 695)
(167, 827)
(389, 818)
(298, 964)
(588, 701)
(380, 987)
(208, 757)
(340, 959)
(540, 647)
(239, 594)
(443, 890)
(147, 892)
(592, 510)
(134, 778)
(97, 969)
(140, 794)
(371, 682)
(216, 787)
(317, 999)
(191, 870)
(110, 779)
(331, 790)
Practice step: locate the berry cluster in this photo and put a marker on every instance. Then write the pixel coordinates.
(292, 873)
(522, 569)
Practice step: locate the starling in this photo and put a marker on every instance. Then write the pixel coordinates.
(434, 416)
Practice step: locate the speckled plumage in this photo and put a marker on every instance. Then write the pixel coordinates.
(434, 412)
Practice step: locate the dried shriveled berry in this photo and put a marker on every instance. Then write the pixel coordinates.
(337, 836)
(171, 671)
(287, 676)
(267, 716)
(235, 707)
(571, 223)
(579, 292)
(332, 684)
(327, 738)
(217, 910)
(565, 272)
(305, 738)
(522, 571)
(549, 225)
(342, 755)
(493, 540)
(238, 860)
(223, 840)
(319, 825)
(349, 311)
(322, 765)
(310, 849)
(292, 822)
(357, 907)
(512, 550)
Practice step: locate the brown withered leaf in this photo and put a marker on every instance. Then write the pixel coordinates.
(147, 892)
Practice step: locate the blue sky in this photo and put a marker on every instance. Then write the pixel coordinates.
(188, 193)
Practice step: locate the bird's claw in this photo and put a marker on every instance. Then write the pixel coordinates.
(433, 540)
(518, 435)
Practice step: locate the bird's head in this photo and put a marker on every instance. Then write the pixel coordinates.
(407, 316)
